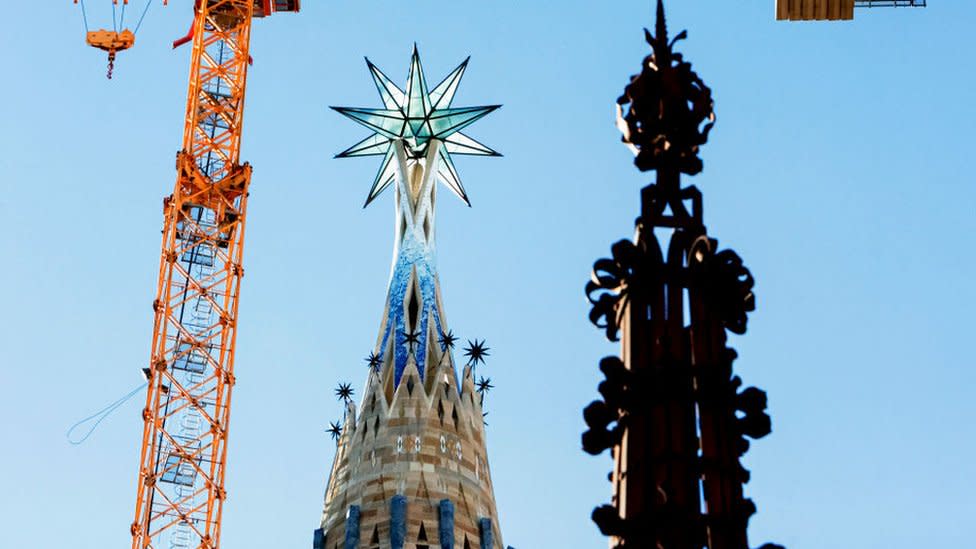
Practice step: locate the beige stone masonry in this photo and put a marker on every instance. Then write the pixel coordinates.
(424, 440)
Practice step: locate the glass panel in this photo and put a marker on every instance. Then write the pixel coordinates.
(443, 94)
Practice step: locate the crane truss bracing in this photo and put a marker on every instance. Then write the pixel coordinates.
(816, 10)
(889, 3)
(191, 372)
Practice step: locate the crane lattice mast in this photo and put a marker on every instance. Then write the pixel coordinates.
(191, 372)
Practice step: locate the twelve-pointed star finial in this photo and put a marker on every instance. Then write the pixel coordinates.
(415, 117)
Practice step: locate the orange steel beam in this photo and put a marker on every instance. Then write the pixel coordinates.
(191, 371)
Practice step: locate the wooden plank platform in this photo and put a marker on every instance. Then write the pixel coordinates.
(814, 10)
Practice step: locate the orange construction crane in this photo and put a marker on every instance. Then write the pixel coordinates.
(191, 368)
(191, 372)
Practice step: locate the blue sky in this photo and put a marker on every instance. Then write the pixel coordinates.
(840, 170)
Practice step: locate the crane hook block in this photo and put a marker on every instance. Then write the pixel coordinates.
(112, 42)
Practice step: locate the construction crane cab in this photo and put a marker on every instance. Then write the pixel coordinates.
(263, 8)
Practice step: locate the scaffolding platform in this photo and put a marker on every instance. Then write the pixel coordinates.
(834, 10)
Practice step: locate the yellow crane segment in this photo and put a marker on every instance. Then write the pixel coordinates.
(191, 368)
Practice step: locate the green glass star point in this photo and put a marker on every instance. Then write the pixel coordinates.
(415, 117)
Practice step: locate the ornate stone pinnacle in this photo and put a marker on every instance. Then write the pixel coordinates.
(662, 111)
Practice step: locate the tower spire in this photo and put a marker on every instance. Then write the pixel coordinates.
(672, 412)
(415, 132)
(411, 469)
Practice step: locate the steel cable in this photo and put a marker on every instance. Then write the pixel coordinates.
(101, 415)
(143, 16)
(84, 15)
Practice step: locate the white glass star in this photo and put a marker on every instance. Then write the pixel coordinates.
(415, 117)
